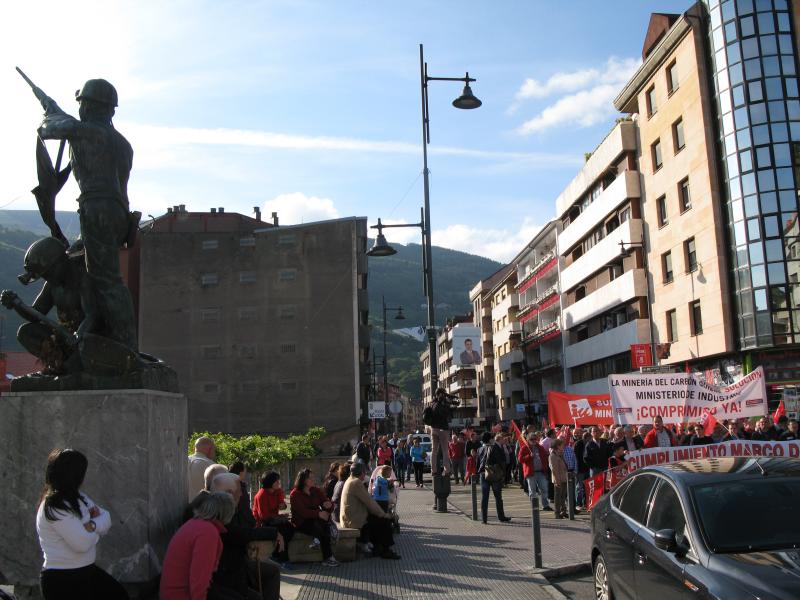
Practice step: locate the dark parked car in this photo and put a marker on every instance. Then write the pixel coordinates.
(725, 528)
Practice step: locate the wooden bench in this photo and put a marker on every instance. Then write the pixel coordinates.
(302, 549)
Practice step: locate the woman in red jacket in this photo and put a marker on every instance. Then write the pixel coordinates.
(311, 513)
(194, 551)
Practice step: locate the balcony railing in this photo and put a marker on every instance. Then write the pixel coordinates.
(537, 302)
(531, 271)
(542, 334)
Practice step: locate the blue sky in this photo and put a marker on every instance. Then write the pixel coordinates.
(312, 109)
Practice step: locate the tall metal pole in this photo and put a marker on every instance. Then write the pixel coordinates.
(385, 371)
(426, 226)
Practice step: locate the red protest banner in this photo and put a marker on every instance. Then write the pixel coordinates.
(594, 488)
(574, 409)
(641, 356)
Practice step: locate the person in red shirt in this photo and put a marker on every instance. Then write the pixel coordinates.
(472, 466)
(659, 436)
(267, 504)
(384, 453)
(311, 513)
(193, 553)
(457, 450)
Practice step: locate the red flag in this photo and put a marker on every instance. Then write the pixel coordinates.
(594, 488)
(708, 423)
(779, 412)
(515, 430)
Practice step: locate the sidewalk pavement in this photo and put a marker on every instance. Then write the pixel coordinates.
(450, 555)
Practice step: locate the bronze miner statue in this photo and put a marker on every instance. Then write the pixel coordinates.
(92, 343)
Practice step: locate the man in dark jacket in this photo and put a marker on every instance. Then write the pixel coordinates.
(363, 451)
(596, 453)
(235, 571)
(581, 439)
(491, 454)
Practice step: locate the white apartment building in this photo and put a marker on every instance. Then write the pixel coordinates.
(604, 286)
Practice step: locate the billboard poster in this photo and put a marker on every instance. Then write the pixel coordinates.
(466, 345)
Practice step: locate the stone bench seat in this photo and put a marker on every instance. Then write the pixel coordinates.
(302, 550)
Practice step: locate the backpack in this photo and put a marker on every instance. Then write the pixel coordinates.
(427, 415)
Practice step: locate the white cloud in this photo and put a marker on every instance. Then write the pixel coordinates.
(296, 207)
(590, 100)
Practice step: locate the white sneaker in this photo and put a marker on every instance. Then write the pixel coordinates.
(314, 544)
(330, 562)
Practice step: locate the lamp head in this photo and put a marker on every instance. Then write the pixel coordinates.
(467, 99)
(400, 316)
(381, 247)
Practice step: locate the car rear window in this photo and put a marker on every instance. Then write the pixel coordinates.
(634, 502)
(749, 515)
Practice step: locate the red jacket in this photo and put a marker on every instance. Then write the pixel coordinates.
(267, 505)
(651, 439)
(192, 556)
(456, 449)
(306, 506)
(526, 460)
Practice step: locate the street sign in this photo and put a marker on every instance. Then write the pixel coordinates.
(641, 356)
(395, 407)
(377, 410)
(520, 408)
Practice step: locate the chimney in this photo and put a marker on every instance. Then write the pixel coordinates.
(175, 208)
(182, 207)
(221, 209)
(257, 211)
(169, 210)
(213, 211)
(275, 219)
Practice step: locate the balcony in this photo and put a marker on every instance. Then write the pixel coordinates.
(530, 274)
(486, 310)
(461, 384)
(613, 341)
(623, 187)
(488, 360)
(486, 336)
(505, 306)
(546, 299)
(630, 285)
(512, 386)
(545, 366)
(542, 334)
(601, 254)
(514, 357)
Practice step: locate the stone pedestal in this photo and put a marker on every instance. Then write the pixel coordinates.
(135, 441)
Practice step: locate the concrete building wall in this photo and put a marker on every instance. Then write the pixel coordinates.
(266, 326)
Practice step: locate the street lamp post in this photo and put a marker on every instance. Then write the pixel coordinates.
(399, 316)
(627, 252)
(466, 101)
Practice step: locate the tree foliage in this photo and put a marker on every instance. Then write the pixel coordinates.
(261, 452)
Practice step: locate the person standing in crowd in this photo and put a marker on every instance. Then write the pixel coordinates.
(69, 525)
(310, 513)
(568, 453)
(659, 436)
(619, 435)
(360, 511)
(417, 461)
(331, 479)
(617, 455)
(535, 469)
(456, 450)
(209, 475)
(631, 440)
(472, 466)
(780, 427)
(336, 499)
(558, 472)
(473, 442)
(596, 453)
(363, 451)
(239, 468)
(440, 436)
(204, 453)
(194, 551)
(267, 504)
(491, 454)
(582, 437)
(502, 442)
(547, 441)
(791, 432)
(737, 431)
(384, 454)
(685, 439)
(402, 463)
(393, 441)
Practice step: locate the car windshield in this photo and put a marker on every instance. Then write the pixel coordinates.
(749, 515)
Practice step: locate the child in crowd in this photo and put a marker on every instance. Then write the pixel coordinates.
(617, 456)
(402, 461)
(380, 492)
(472, 466)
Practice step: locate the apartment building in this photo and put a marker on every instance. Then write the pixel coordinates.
(265, 325)
(509, 383)
(603, 276)
(541, 348)
(481, 297)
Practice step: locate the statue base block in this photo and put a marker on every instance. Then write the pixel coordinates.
(135, 441)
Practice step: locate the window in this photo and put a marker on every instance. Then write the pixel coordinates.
(247, 351)
(288, 348)
(286, 239)
(650, 97)
(661, 207)
(677, 135)
(684, 196)
(210, 244)
(666, 267)
(634, 502)
(655, 154)
(667, 513)
(672, 325)
(288, 386)
(247, 242)
(247, 313)
(287, 274)
(212, 351)
(690, 254)
(210, 388)
(247, 277)
(696, 317)
(209, 279)
(672, 78)
(286, 312)
(209, 315)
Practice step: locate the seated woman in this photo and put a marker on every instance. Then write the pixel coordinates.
(311, 513)
(194, 551)
(360, 511)
(344, 475)
(267, 504)
(331, 479)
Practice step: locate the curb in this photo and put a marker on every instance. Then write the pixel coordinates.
(555, 572)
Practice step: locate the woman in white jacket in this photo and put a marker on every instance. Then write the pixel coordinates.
(69, 525)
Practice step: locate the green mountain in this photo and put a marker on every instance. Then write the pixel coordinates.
(398, 279)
